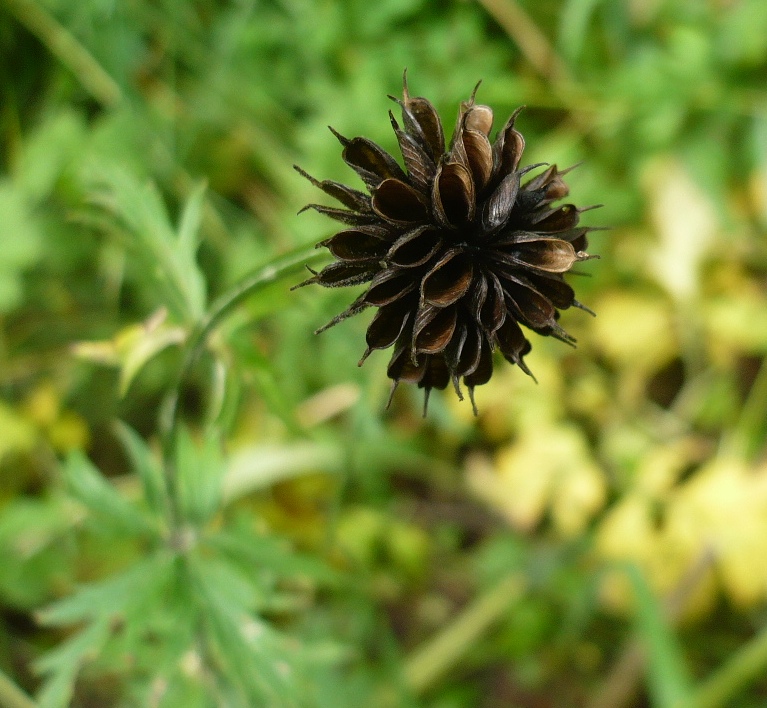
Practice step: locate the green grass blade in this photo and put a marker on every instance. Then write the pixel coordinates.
(668, 681)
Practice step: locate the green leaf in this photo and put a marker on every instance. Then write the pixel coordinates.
(19, 435)
(189, 226)
(63, 664)
(573, 26)
(248, 652)
(20, 243)
(116, 596)
(34, 548)
(167, 257)
(200, 469)
(268, 553)
(148, 344)
(669, 682)
(147, 467)
(260, 466)
(88, 486)
(48, 151)
(127, 598)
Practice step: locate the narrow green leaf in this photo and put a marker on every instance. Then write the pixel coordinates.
(145, 464)
(189, 226)
(140, 208)
(573, 26)
(88, 485)
(115, 596)
(200, 470)
(247, 650)
(260, 466)
(272, 554)
(144, 348)
(63, 664)
(668, 679)
(20, 246)
(742, 668)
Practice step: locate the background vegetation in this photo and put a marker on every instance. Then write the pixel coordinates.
(277, 538)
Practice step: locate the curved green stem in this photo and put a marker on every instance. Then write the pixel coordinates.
(746, 665)
(11, 696)
(63, 45)
(744, 440)
(251, 284)
(429, 661)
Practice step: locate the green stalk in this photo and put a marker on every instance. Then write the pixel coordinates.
(746, 665)
(65, 47)
(427, 663)
(11, 696)
(743, 440)
(251, 284)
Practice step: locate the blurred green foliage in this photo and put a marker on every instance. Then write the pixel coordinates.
(205, 505)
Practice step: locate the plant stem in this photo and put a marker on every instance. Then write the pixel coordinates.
(747, 664)
(252, 283)
(65, 47)
(743, 439)
(532, 42)
(439, 653)
(11, 696)
(621, 683)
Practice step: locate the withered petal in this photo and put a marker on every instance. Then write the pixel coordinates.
(499, 206)
(551, 255)
(480, 118)
(396, 201)
(552, 221)
(530, 307)
(431, 334)
(342, 274)
(453, 197)
(470, 353)
(351, 198)
(454, 347)
(415, 247)
(422, 121)
(448, 280)
(354, 309)
(478, 295)
(493, 311)
(511, 341)
(541, 180)
(479, 155)
(435, 376)
(352, 218)
(513, 344)
(402, 368)
(386, 327)
(421, 168)
(484, 369)
(553, 286)
(370, 161)
(508, 147)
(389, 285)
(356, 245)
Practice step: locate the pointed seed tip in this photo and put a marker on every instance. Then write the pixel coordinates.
(365, 355)
(394, 385)
(473, 402)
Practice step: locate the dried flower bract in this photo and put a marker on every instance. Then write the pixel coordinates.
(458, 251)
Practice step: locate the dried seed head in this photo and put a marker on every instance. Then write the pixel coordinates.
(458, 251)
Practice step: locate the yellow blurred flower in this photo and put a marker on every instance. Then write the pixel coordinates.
(725, 507)
(721, 510)
(548, 469)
